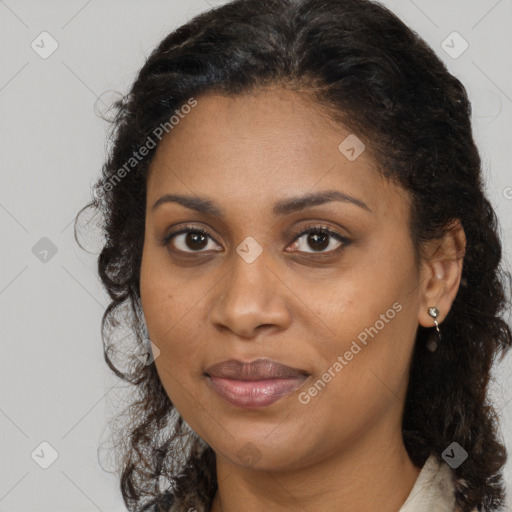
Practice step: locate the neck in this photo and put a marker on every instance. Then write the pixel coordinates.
(372, 474)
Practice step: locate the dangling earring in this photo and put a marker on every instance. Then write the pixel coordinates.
(432, 343)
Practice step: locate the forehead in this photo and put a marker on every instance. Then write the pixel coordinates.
(260, 147)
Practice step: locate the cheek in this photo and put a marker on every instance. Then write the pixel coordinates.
(173, 325)
(175, 330)
(176, 321)
(360, 382)
(166, 298)
(373, 320)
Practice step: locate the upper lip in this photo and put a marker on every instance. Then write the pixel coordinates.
(255, 370)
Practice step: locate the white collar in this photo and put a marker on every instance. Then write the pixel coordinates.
(433, 489)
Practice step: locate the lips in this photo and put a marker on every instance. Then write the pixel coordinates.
(256, 370)
(254, 384)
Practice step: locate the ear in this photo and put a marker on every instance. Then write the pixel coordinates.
(440, 273)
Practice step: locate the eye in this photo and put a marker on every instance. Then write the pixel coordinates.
(190, 239)
(319, 238)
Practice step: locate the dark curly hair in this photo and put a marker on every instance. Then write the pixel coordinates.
(373, 74)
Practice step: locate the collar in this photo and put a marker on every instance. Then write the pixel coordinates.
(434, 489)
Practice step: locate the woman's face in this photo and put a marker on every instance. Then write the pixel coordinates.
(342, 309)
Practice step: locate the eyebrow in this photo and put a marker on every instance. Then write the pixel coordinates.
(281, 208)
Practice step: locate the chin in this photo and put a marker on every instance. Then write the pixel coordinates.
(259, 453)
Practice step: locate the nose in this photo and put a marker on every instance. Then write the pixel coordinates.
(251, 300)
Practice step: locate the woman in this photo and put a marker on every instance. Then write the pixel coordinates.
(294, 215)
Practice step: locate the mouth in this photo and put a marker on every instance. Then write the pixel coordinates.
(256, 384)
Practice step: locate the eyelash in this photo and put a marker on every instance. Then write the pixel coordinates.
(323, 230)
(314, 229)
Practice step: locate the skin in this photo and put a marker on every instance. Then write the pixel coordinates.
(342, 450)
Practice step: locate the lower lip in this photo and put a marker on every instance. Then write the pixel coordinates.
(254, 393)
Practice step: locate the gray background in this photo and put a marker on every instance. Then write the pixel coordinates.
(56, 387)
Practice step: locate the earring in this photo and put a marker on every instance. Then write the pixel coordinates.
(432, 343)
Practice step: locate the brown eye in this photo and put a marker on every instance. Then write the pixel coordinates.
(318, 239)
(190, 240)
(195, 241)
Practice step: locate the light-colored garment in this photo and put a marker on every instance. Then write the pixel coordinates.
(433, 489)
